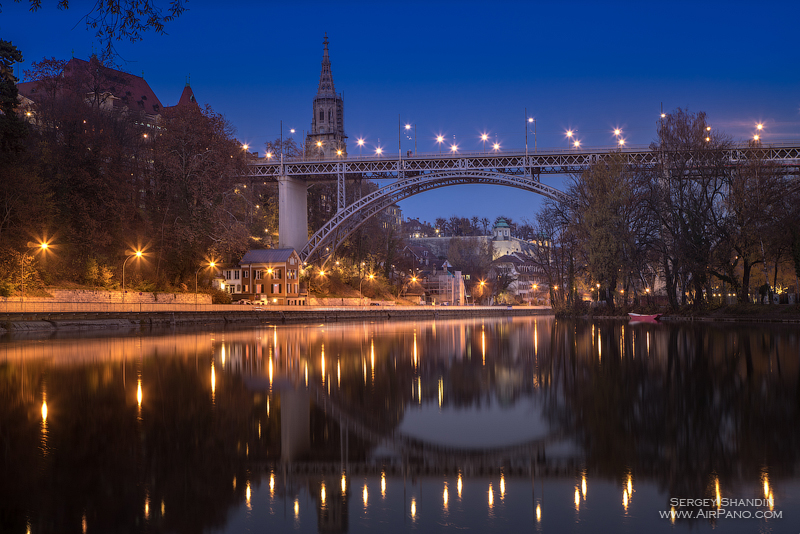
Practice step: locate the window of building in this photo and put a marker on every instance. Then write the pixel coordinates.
(258, 275)
(235, 275)
(276, 289)
(321, 115)
(276, 274)
(244, 287)
(330, 115)
(244, 274)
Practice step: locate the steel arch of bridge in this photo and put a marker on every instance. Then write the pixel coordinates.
(348, 219)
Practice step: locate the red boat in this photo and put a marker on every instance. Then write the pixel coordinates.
(641, 318)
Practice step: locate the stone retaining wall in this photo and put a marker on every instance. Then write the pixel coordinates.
(91, 295)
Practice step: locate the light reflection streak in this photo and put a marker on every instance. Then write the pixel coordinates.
(270, 370)
(719, 495)
(483, 345)
(272, 484)
(459, 485)
(296, 507)
(491, 496)
(419, 388)
(415, 349)
(323, 364)
(577, 499)
(413, 508)
(83, 523)
(625, 499)
(344, 484)
(502, 486)
(322, 494)
(147, 506)
(222, 354)
(139, 393)
(365, 494)
(538, 512)
(383, 484)
(583, 486)
(445, 496)
(213, 381)
(338, 374)
(441, 391)
(247, 496)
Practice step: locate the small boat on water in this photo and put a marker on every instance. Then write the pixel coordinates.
(642, 318)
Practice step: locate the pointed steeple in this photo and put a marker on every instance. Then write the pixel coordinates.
(325, 77)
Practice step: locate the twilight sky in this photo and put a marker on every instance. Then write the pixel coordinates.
(461, 69)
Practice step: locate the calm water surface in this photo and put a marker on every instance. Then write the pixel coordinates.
(495, 425)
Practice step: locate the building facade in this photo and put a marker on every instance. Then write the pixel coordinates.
(267, 276)
(326, 139)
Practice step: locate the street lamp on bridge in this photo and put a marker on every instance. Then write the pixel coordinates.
(440, 140)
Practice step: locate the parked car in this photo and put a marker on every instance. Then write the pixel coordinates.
(243, 301)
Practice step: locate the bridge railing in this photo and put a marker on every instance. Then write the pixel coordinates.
(446, 153)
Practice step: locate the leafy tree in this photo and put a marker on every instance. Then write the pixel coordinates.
(12, 128)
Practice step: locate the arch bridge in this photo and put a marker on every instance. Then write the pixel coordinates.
(416, 174)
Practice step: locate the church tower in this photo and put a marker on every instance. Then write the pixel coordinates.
(326, 139)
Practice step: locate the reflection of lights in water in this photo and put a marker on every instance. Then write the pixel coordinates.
(234, 483)
(222, 354)
(535, 338)
(139, 393)
(577, 498)
(445, 495)
(459, 485)
(162, 506)
(441, 391)
(365, 494)
(83, 524)
(383, 484)
(338, 373)
(271, 484)
(296, 507)
(502, 486)
(491, 496)
(719, 495)
(413, 508)
(599, 345)
(323, 364)
(483, 345)
(344, 483)
(372, 355)
(625, 499)
(267, 406)
(44, 411)
(419, 388)
(322, 494)
(583, 486)
(147, 506)
(270, 371)
(415, 349)
(771, 500)
(259, 430)
(672, 514)
(538, 512)
(630, 484)
(648, 343)
(306, 373)
(213, 380)
(247, 495)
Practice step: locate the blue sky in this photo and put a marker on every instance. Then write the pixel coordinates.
(463, 68)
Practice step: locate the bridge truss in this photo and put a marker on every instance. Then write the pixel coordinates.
(416, 174)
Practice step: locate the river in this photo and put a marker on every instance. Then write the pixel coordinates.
(523, 424)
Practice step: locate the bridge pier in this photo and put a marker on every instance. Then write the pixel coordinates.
(292, 212)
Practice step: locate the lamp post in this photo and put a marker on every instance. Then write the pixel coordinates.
(360, 144)
(408, 129)
(361, 283)
(38, 246)
(210, 264)
(484, 137)
(138, 254)
(440, 140)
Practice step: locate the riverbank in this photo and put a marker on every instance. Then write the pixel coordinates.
(755, 313)
(11, 322)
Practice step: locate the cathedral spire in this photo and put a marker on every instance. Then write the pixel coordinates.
(325, 77)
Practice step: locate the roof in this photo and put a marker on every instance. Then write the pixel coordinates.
(129, 90)
(187, 98)
(501, 223)
(267, 255)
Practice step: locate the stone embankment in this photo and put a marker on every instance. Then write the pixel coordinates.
(28, 321)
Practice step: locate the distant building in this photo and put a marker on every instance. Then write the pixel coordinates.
(528, 283)
(392, 218)
(327, 139)
(106, 88)
(269, 276)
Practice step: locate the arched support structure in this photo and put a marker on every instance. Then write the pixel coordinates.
(348, 219)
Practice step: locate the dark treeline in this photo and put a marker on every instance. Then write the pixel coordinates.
(696, 225)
